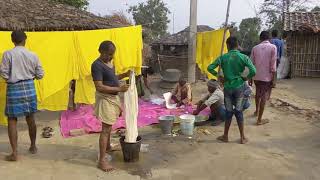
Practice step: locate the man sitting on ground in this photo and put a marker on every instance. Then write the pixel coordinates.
(182, 93)
(215, 101)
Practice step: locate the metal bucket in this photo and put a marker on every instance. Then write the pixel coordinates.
(187, 124)
(166, 123)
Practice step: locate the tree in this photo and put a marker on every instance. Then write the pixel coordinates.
(233, 28)
(317, 8)
(278, 6)
(271, 11)
(80, 4)
(248, 33)
(153, 15)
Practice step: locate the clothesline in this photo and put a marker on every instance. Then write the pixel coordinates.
(169, 56)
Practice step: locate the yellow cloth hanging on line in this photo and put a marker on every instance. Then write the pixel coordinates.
(208, 49)
(68, 55)
(128, 56)
(3, 87)
(4, 37)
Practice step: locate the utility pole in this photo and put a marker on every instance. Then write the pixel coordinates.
(192, 47)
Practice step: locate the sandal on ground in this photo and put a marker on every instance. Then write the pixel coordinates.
(48, 129)
(46, 134)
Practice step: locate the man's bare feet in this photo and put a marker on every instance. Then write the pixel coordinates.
(11, 157)
(104, 166)
(244, 140)
(223, 139)
(33, 150)
(263, 122)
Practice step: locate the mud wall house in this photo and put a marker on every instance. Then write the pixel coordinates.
(302, 31)
(171, 52)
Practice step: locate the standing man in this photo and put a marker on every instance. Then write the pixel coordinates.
(107, 106)
(233, 64)
(279, 44)
(264, 57)
(19, 68)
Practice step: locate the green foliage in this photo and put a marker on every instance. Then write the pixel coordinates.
(80, 4)
(271, 11)
(248, 33)
(153, 15)
(317, 8)
(232, 28)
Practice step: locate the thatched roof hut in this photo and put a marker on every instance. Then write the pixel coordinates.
(303, 42)
(180, 38)
(172, 51)
(44, 15)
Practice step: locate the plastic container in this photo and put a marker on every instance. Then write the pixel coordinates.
(130, 151)
(187, 124)
(166, 123)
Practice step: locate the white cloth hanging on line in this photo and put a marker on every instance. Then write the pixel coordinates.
(131, 110)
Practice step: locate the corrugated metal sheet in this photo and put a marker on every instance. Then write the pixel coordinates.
(302, 21)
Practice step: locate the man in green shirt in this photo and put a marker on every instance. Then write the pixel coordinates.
(232, 65)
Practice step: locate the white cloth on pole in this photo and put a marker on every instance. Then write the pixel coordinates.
(131, 107)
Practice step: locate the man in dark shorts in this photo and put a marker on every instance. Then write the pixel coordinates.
(233, 65)
(264, 57)
(142, 81)
(107, 105)
(19, 68)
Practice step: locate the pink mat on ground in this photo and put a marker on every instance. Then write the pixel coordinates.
(83, 117)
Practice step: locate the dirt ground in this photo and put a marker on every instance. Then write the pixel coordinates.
(285, 149)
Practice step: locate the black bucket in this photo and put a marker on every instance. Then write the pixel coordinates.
(130, 151)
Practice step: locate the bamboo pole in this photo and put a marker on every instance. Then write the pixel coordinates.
(225, 27)
(296, 58)
(317, 56)
(224, 37)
